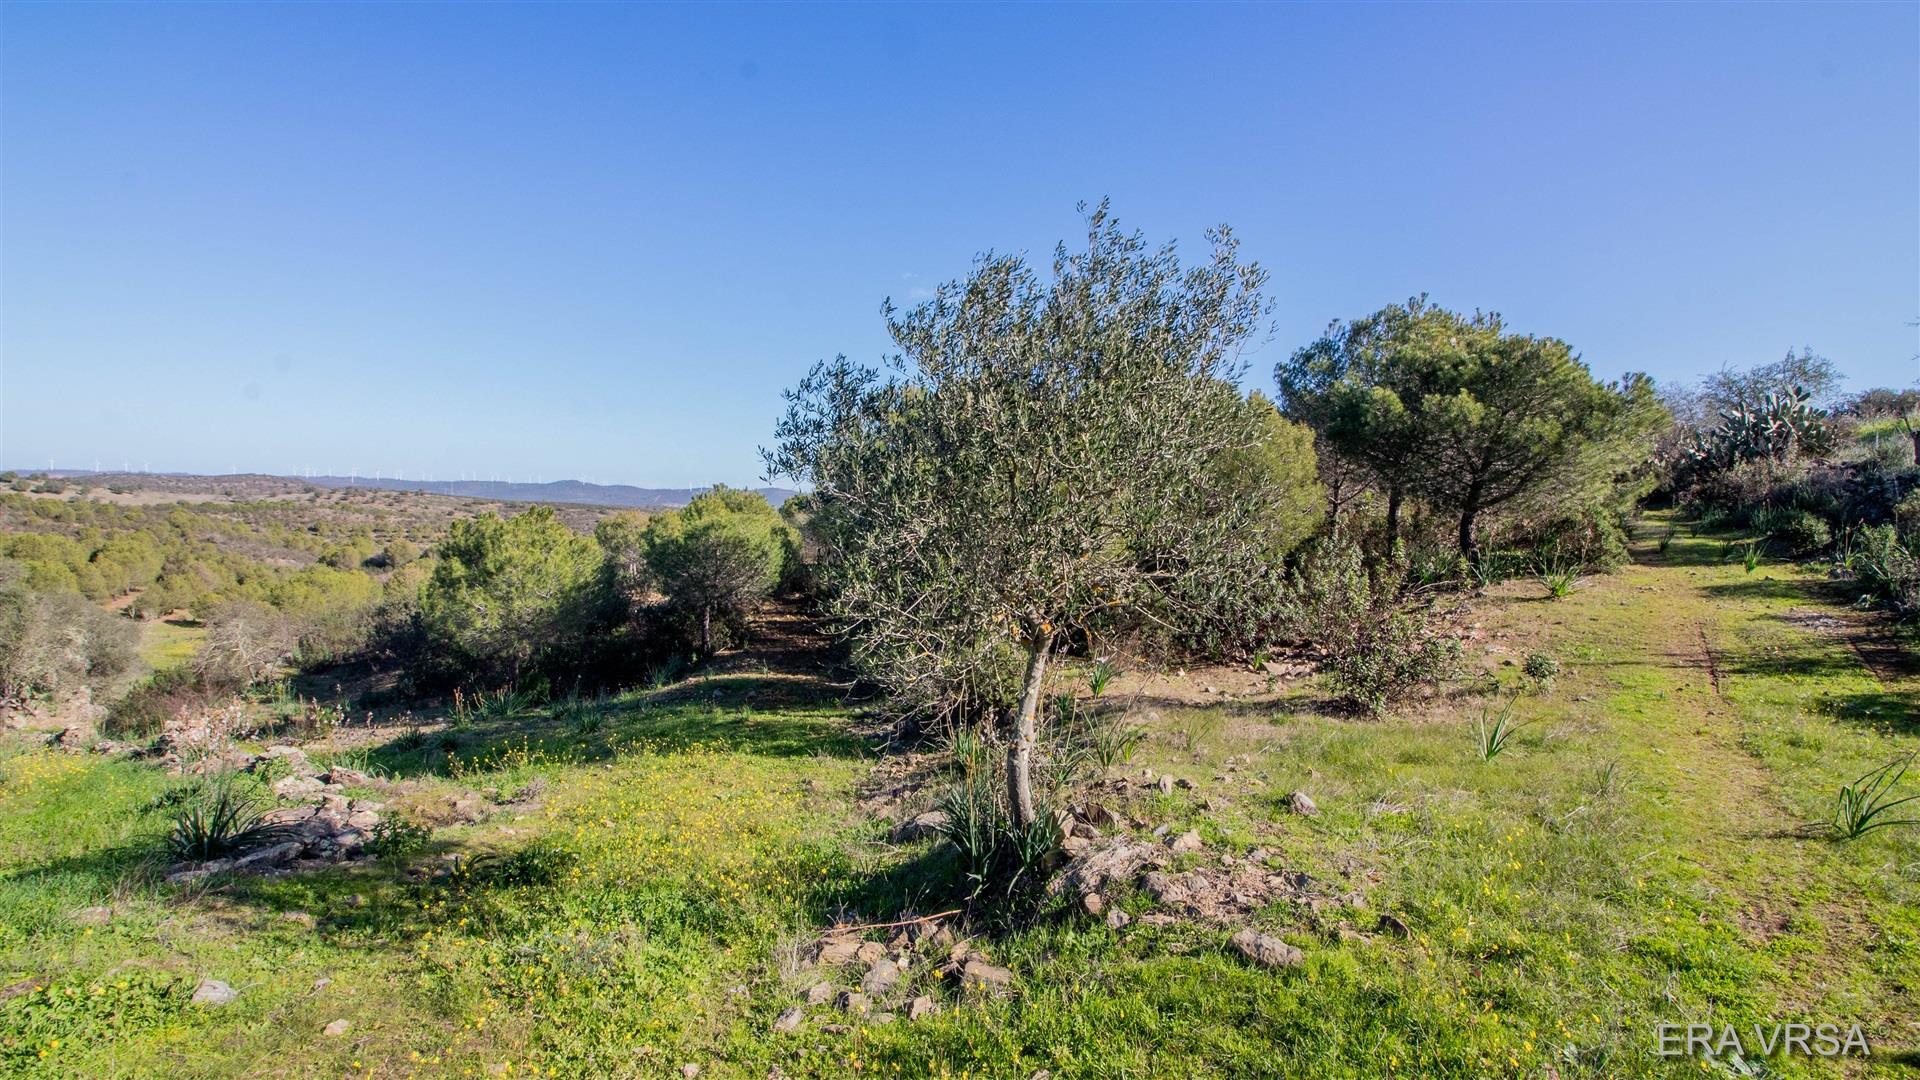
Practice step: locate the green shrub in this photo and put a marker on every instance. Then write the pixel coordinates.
(1888, 569)
(1906, 518)
(397, 838)
(145, 710)
(715, 560)
(1377, 645)
(1801, 532)
(1541, 669)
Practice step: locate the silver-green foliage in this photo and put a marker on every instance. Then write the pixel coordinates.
(1377, 637)
(1040, 459)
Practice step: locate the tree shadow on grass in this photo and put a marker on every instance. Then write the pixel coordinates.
(1898, 710)
(102, 870)
(747, 714)
(1760, 588)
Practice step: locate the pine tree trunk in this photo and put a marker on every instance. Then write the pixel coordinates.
(706, 631)
(1469, 548)
(1020, 751)
(1393, 516)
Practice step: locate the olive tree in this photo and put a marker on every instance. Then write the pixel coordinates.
(1037, 457)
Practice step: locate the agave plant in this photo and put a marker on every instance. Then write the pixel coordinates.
(224, 816)
(1863, 805)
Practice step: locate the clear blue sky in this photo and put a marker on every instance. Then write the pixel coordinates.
(597, 240)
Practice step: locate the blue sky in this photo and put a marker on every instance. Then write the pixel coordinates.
(597, 240)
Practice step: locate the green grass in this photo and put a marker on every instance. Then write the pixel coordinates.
(167, 644)
(1638, 854)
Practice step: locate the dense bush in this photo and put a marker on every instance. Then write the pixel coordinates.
(715, 560)
(55, 643)
(246, 642)
(1376, 643)
(1800, 532)
(167, 695)
(1888, 569)
(509, 596)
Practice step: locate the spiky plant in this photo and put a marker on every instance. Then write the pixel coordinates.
(1863, 805)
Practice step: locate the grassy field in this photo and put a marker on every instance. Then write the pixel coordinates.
(643, 895)
(168, 643)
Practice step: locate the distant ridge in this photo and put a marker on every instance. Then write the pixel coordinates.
(577, 492)
(553, 491)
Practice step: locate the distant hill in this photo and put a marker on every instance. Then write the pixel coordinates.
(554, 491)
(258, 485)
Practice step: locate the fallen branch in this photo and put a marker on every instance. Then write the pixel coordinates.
(886, 925)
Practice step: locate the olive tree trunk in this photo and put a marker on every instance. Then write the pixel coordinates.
(1020, 750)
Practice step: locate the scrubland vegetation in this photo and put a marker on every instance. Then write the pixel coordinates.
(1448, 712)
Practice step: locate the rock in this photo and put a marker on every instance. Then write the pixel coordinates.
(1119, 861)
(790, 1019)
(213, 992)
(819, 993)
(920, 827)
(468, 810)
(1117, 919)
(1093, 903)
(881, 1018)
(1391, 925)
(1161, 830)
(322, 983)
(297, 788)
(921, 1006)
(869, 951)
(980, 975)
(1266, 950)
(1187, 841)
(340, 774)
(880, 977)
(1083, 831)
(93, 916)
(1166, 785)
(363, 819)
(265, 857)
(941, 937)
(298, 918)
(292, 756)
(71, 737)
(854, 1002)
(1074, 845)
(1155, 918)
(1095, 814)
(1166, 889)
(338, 1027)
(689, 1070)
(1301, 804)
(835, 951)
